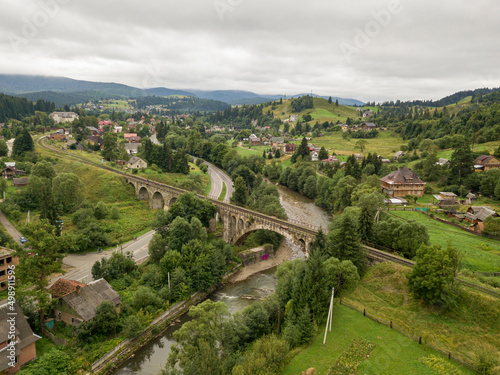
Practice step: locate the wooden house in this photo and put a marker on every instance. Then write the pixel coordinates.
(485, 163)
(78, 302)
(402, 182)
(446, 198)
(23, 347)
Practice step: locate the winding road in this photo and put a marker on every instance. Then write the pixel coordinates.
(217, 178)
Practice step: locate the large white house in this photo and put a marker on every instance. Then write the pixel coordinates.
(59, 117)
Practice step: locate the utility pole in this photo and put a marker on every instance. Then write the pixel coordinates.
(328, 327)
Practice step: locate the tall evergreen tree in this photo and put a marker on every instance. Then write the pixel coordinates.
(302, 150)
(461, 164)
(323, 154)
(365, 224)
(22, 144)
(343, 243)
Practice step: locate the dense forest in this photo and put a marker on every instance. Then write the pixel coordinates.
(189, 104)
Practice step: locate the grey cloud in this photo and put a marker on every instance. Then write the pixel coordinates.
(428, 49)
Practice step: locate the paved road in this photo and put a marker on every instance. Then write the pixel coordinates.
(11, 229)
(217, 178)
(82, 263)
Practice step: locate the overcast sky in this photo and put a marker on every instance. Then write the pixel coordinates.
(363, 49)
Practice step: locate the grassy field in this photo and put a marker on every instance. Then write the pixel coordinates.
(479, 254)
(393, 352)
(468, 329)
(386, 144)
(322, 111)
(488, 147)
(135, 215)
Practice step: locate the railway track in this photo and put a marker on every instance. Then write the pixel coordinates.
(372, 252)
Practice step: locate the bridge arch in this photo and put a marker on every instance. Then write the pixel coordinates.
(143, 193)
(157, 201)
(172, 201)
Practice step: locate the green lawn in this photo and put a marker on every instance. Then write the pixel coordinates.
(393, 352)
(386, 144)
(322, 111)
(467, 329)
(480, 254)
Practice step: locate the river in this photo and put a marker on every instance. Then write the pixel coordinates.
(151, 359)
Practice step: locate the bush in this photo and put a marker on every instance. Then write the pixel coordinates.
(133, 327)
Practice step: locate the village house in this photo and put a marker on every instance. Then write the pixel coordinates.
(476, 215)
(367, 113)
(120, 162)
(344, 127)
(25, 339)
(402, 182)
(132, 137)
(94, 139)
(289, 148)
(136, 163)
(59, 117)
(132, 148)
(470, 198)
(331, 159)
(443, 162)
(398, 154)
(367, 126)
(446, 198)
(7, 259)
(294, 118)
(314, 156)
(485, 163)
(20, 181)
(9, 172)
(254, 140)
(277, 142)
(358, 157)
(58, 137)
(94, 131)
(77, 302)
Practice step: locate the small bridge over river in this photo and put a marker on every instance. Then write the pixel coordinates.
(238, 222)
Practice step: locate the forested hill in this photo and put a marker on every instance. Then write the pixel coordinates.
(186, 104)
(12, 107)
(22, 84)
(447, 100)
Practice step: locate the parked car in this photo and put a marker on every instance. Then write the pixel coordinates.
(23, 239)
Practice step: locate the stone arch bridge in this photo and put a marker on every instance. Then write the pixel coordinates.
(238, 222)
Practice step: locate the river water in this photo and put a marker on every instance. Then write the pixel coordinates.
(151, 359)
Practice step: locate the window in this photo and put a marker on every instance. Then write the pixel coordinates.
(58, 315)
(9, 260)
(2, 273)
(72, 320)
(3, 285)
(2, 261)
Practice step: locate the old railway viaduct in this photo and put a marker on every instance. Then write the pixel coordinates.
(238, 222)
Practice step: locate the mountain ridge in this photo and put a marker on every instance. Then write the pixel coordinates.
(36, 87)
